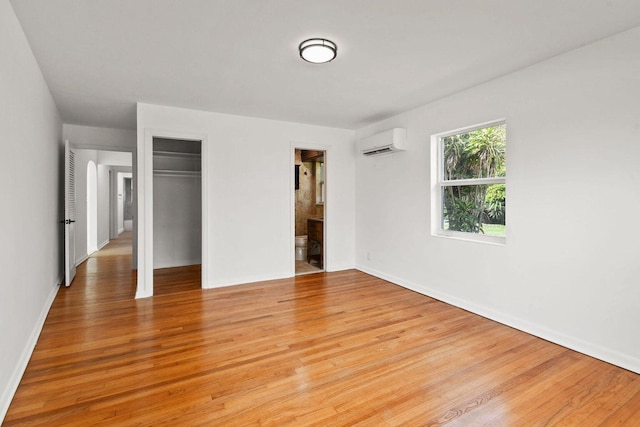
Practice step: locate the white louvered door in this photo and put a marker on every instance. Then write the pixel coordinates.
(69, 215)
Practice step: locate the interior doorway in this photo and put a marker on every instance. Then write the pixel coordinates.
(310, 198)
(97, 198)
(127, 208)
(177, 215)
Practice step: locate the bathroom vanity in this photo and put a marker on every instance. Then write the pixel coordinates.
(315, 231)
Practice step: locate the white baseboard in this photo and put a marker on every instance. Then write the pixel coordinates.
(11, 387)
(339, 268)
(245, 279)
(176, 263)
(590, 349)
(141, 294)
(262, 278)
(103, 244)
(82, 259)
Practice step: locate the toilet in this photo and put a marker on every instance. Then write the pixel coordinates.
(301, 248)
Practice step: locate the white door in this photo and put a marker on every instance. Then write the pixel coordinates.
(69, 215)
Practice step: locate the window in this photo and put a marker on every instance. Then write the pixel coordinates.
(469, 183)
(319, 183)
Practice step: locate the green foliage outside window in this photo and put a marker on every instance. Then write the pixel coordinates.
(472, 155)
(495, 201)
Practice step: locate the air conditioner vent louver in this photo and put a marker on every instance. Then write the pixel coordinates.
(379, 151)
(390, 141)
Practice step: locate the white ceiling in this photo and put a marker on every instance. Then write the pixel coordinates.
(100, 57)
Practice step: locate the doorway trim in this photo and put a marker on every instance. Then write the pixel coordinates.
(92, 207)
(145, 206)
(293, 146)
(118, 174)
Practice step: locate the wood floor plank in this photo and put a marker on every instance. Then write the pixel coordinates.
(334, 349)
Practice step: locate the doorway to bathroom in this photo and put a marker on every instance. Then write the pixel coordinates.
(310, 196)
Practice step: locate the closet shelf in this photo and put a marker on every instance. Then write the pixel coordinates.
(170, 172)
(175, 154)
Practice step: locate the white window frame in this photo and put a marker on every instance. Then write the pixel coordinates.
(438, 183)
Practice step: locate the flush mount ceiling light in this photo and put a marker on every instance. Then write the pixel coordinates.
(318, 51)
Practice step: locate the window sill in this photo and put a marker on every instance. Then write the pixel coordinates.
(472, 237)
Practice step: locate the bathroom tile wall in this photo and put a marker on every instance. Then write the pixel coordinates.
(305, 195)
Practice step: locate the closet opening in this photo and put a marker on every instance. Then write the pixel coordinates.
(177, 215)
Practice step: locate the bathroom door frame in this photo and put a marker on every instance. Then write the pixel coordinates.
(145, 206)
(327, 197)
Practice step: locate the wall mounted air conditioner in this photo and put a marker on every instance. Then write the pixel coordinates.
(385, 142)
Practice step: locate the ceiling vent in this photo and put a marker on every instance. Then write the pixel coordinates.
(390, 141)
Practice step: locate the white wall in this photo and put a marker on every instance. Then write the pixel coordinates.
(100, 138)
(249, 164)
(569, 271)
(82, 158)
(177, 219)
(32, 157)
(115, 158)
(103, 206)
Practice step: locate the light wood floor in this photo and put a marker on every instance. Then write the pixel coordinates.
(339, 348)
